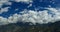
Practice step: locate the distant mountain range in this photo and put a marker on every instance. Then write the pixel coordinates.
(20, 27)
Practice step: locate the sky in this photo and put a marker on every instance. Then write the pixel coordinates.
(34, 11)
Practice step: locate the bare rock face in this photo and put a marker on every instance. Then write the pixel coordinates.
(50, 27)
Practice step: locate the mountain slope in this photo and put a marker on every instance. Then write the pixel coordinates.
(20, 27)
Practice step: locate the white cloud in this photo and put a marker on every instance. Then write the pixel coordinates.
(14, 18)
(3, 21)
(2, 2)
(22, 0)
(25, 1)
(30, 5)
(8, 3)
(4, 10)
(41, 17)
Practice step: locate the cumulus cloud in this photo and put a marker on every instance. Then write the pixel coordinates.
(3, 20)
(23, 0)
(41, 17)
(4, 10)
(2, 2)
(8, 3)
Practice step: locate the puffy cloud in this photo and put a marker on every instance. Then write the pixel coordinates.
(4, 10)
(3, 20)
(56, 12)
(8, 3)
(14, 18)
(11, 19)
(2, 2)
(41, 17)
(37, 17)
(23, 0)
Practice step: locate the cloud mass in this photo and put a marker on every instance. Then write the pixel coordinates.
(33, 16)
(41, 17)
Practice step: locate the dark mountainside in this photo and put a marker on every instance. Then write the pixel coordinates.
(20, 27)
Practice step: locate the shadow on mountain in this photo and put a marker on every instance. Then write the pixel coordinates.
(25, 27)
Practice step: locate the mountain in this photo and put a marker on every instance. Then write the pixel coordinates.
(20, 27)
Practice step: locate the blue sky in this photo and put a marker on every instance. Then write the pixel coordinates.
(50, 6)
(21, 6)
